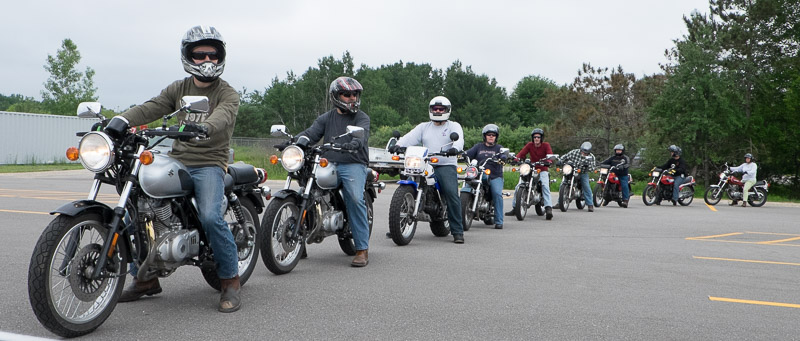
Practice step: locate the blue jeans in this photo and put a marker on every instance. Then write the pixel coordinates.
(623, 181)
(353, 177)
(447, 177)
(209, 192)
(676, 187)
(544, 179)
(587, 190)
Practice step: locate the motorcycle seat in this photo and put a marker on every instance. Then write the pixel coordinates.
(241, 173)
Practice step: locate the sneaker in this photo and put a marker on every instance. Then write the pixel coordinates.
(498, 226)
(591, 208)
(458, 238)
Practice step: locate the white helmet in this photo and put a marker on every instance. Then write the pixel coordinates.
(439, 101)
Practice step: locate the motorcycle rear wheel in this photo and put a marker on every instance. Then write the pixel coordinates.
(713, 195)
(649, 195)
(279, 252)
(68, 248)
(759, 199)
(347, 244)
(520, 197)
(685, 196)
(247, 252)
(402, 223)
(598, 195)
(563, 198)
(440, 228)
(467, 216)
(539, 209)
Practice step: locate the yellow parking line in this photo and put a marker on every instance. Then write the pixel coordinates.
(779, 240)
(736, 300)
(711, 208)
(26, 212)
(747, 260)
(716, 236)
(775, 234)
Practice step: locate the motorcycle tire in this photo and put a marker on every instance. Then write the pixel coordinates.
(563, 200)
(248, 255)
(520, 196)
(489, 220)
(440, 228)
(713, 195)
(686, 196)
(402, 225)
(279, 253)
(467, 216)
(347, 244)
(579, 203)
(539, 209)
(52, 291)
(649, 195)
(759, 199)
(598, 195)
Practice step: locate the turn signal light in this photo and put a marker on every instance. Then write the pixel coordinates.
(434, 160)
(488, 171)
(513, 169)
(395, 158)
(273, 159)
(459, 170)
(72, 153)
(558, 169)
(323, 162)
(577, 171)
(146, 157)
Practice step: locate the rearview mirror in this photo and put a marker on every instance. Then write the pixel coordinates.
(355, 131)
(396, 134)
(89, 110)
(278, 130)
(194, 103)
(453, 136)
(504, 150)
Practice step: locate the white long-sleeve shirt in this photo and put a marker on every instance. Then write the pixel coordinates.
(749, 168)
(434, 138)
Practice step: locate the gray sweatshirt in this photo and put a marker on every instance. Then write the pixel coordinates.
(749, 170)
(332, 124)
(434, 138)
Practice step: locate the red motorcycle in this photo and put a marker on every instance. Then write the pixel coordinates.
(660, 188)
(608, 187)
(757, 196)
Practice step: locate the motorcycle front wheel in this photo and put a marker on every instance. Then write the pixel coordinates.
(279, 251)
(758, 199)
(402, 223)
(64, 299)
(246, 250)
(563, 198)
(520, 197)
(686, 195)
(347, 244)
(598, 195)
(649, 195)
(467, 215)
(713, 195)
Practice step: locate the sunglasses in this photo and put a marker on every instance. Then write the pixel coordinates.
(348, 94)
(492, 135)
(537, 137)
(202, 56)
(436, 108)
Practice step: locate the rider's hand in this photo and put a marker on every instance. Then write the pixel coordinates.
(116, 126)
(393, 149)
(282, 146)
(352, 145)
(190, 127)
(452, 152)
(97, 126)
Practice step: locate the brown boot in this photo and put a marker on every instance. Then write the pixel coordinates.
(361, 259)
(230, 300)
(137, 289)
(744, 203)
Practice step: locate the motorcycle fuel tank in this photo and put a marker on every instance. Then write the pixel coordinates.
(327, 177)
(165, 178)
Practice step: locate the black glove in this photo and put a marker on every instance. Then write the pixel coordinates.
(189, 127)
(352, 145)
(97, 126)
(282, 146)
(393, 149)
(116, 126)
(452, 152)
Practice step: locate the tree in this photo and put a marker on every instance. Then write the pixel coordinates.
(477, 100)
(66, 87)
(524, 101)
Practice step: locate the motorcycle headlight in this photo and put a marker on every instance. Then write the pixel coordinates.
(656, 174)
(603, 171)
(722, 175)
(567, 170)
(472, 173)
(292, 158)
(413, 163)
(525, 169)
(96, 151)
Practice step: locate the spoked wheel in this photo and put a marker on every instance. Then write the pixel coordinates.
(580, 203)
(599, 199)
(758, 199)
(563, 198)
(64, 297)
(467, 214)
(713, 195)
(279, 251)
(346, 242)
(649, 195)
(246, 250)
(520, 197)
(686, 195)
(539, 209)
(402, 223)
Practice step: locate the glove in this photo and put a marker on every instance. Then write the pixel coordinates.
(393, 149)
(452, 152)
(280, 147)
(352, 145)
(190, 127)
(116, 127)
(97, 126)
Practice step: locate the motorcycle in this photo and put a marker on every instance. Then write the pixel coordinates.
(757, 197)
(417, 196)
(660, 188)
(476, 198)
(529, 191)
(80, 262)
(570, 188)
(316, 210)
(608, 187)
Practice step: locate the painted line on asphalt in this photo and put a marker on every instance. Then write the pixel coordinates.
(736, 300)
(711, 208)
(779, 240)
(746, 260)
(715, 236)
(25, 212)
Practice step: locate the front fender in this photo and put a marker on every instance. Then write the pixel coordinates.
(408, 183)
(79, 206)
(288, 193)
(713, 186)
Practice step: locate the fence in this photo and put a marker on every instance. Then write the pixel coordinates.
(36, 138)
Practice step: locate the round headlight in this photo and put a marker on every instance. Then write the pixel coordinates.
(567, 170)
(525, 169)
(471, 173)
(96, 151)
(292, 158)
(413, 163)
(722, 175)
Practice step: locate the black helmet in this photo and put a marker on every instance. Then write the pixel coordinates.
(346, 84)
(619, 146)
(586, 147)
(199, 36)
(537, 131)
(748, 155)
(675, 150)
(490, 128)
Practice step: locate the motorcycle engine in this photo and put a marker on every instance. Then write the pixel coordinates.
(328, 220)
(173, 244)
(735, 195)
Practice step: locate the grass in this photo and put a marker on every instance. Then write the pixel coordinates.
(39, 167)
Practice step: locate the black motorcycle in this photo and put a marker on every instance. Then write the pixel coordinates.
(316, 210)
(476, 197)
(529, 191)
(571, 188)
(80, 262)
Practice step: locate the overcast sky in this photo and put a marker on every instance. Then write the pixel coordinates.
(134, 45)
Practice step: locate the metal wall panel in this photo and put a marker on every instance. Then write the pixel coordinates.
(37, 138)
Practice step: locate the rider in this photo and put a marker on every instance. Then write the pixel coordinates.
(351, 164)
(486, 150)
(679, 172)
(203, 57)
(621, 162)
(584, 160)
(538, 149)
(434, 135)
(749, 168)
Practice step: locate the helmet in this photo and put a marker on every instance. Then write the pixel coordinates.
(748, 155)
(675, 150)
(345, 84)
(537, 131)
(490, 128)
(586, 147)
(439, 101)
(199, 36)
(619, 146)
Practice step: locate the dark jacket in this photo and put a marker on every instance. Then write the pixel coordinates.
(621, 161)
(680, 166)
(481, 152)
(332, 124)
